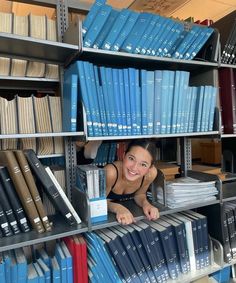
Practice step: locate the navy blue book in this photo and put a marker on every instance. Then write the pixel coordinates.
(133, 256)
(91, 15)
(105, 29)
(141, 232)
(97, 24)
(116, 254)
(142, 252)
(167, 249)
(116, 28)
(178, 228)
(205, 239)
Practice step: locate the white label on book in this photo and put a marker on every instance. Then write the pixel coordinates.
(13, 223)
(68, 215)
(98, 207)
(23, 220)
(4, 225)
(36, 220)
(45, 218)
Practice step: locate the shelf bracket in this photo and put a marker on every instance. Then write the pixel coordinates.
(62, 18)
(185, 154)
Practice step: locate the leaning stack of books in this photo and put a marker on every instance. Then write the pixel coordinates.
(169, 170)
(142, 33)
(185, 191)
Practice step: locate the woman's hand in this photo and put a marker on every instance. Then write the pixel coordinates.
(151, 212)
(124, 216)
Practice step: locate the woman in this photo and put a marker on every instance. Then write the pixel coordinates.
(131, 178)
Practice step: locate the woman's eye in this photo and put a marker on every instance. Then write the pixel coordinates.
(144, 165)
(130, 158)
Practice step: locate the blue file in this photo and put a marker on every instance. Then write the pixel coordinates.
(111, 99)
(102, 73)
(212, 109)
(91, 15)
(117, 104)
(170, 95)
(136, 33)
(62, 262)
(106, 29)
(115, 29)
(122, 101)
(150, 101)
(68, 257)
(97, 25)
(101, 103)
(144, 39)
(21, 265)
(198, 113)
(157, 101)
(70, 96)
(133, 16)
(127, 101)
(132, 93)
(164, 100)
(175, 102)
(138, 102)
(205, 33)
(143, 81)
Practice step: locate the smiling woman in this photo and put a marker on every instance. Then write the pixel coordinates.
(130, 179)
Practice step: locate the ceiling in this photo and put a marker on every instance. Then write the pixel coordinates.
(198, 9)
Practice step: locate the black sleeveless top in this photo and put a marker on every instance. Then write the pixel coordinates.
(120, 197)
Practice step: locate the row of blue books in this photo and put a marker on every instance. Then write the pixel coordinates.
(142, 33)
(150, 251)
(106, 153)
(14, 267)
(124, 102)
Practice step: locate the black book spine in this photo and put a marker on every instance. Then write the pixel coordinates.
(8, 211)
(5, 227)
(14, 200)
(48, 185)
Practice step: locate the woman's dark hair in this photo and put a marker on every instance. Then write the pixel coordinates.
(146, 144)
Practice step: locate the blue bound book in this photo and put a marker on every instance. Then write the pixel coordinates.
(117, 104)
(157, 101)
(41, 277)
(150, 101)
(127, 101)
(138, 102)
(164, 100)
(122, 101)
(45, 269)
(133, 16)
(170, 101)
(21, 265)
(192, 109)
(91, 15)
(175, 102)
(69, 103)
(188, 95)
(198, 113)
(136, 33)
(68, 257)
(212, 109)
(97, 25)
(2, 269)
(55, 270)
(32, 274)
(105, 29)
(62, 262)
(115, 29)
(143, 41)
(132, 92)
(143, 82)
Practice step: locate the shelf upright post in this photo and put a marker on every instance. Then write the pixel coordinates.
(185, 155)
(62, 18)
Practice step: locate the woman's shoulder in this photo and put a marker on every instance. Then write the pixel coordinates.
(152, 174)
(111, 169)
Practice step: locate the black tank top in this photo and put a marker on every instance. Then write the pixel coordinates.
(120, 197)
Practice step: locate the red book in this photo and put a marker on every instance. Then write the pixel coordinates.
(74, 247)
(207, 22)
(227, 100)
(84, 258)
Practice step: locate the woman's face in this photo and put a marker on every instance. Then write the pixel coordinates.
(136, 163)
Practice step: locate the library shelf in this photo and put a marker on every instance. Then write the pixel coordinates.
(35, 49)
(227, 66)
(42, 135)
(60, 229)
(228, 136)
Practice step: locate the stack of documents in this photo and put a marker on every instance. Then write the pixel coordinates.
(186, 191)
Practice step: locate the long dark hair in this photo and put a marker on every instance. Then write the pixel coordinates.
(146, 144)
